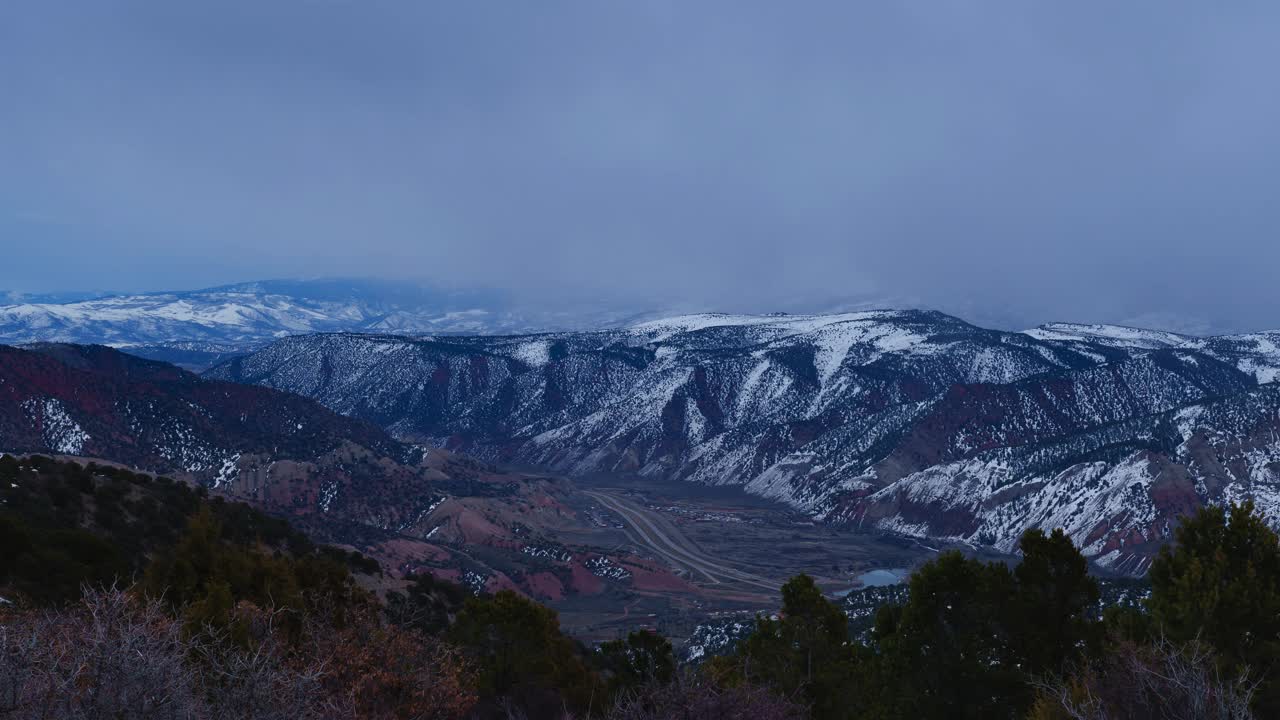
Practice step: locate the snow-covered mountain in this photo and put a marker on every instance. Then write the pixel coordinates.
(1115, 335)
(174, 325)
(910, 421)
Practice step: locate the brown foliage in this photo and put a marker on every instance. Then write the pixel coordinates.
(1160, 681)
(110, 657)
(384, 672)
(116, 656)
(248, 670)
(690, 698)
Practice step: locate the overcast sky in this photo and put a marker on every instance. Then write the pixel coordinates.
(1040, 160)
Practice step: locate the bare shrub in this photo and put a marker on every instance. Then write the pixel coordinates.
(689, 698)
(381, 671)
(115, 656)
(110, 657)
(263, 681)
(1160, 682)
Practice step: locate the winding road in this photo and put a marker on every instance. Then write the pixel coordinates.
(660, 535)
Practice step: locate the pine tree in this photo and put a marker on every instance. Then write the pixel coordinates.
(1220, 584)
(1055, 594)
(948, 649)
(805, 652)
(520, 655)
(642, 657)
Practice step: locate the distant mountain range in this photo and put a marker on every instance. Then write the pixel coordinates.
(200, 327)
(907, 421)
(197, 329)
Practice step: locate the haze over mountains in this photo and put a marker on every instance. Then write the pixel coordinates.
(255, 311)
(198, 328)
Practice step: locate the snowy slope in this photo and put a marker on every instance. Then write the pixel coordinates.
(1118, 489)
(1254, 353)
(1114, 335)
(908, 421)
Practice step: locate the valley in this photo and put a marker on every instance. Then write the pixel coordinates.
(609, 551)
(730, 550)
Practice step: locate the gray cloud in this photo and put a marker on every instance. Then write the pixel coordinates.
(1028, 161)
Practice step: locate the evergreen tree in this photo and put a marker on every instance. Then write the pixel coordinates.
(973, 638)
(948, 649)
(1220, 584)
(805, 653)
(1053, 629)
(428, 604)
(642, 657)
(521, 656)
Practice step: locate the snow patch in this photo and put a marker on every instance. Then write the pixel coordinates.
(60, 432)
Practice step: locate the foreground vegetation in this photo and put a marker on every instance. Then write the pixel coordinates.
(138, 597)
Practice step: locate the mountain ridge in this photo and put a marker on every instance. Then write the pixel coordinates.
(242, 316)
(837, 415)
(342, 479)
(245, 315)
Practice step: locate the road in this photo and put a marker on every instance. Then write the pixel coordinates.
(660, 535)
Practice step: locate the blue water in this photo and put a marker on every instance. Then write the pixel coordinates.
(878, 578)
(882, 577)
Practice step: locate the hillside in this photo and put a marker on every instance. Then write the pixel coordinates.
(339, 479)
(284, 452)
(67, 524)
(910, 421)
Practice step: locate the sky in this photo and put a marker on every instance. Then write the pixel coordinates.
(1014, 161)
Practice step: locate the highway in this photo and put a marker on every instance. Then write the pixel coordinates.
(660, 535)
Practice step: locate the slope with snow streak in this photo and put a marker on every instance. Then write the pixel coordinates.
(1113, 335)
(909, 421)
(1255, 353)
(1119, 489)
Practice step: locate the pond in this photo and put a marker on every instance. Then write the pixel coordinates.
(880, 577)
(883, 576)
